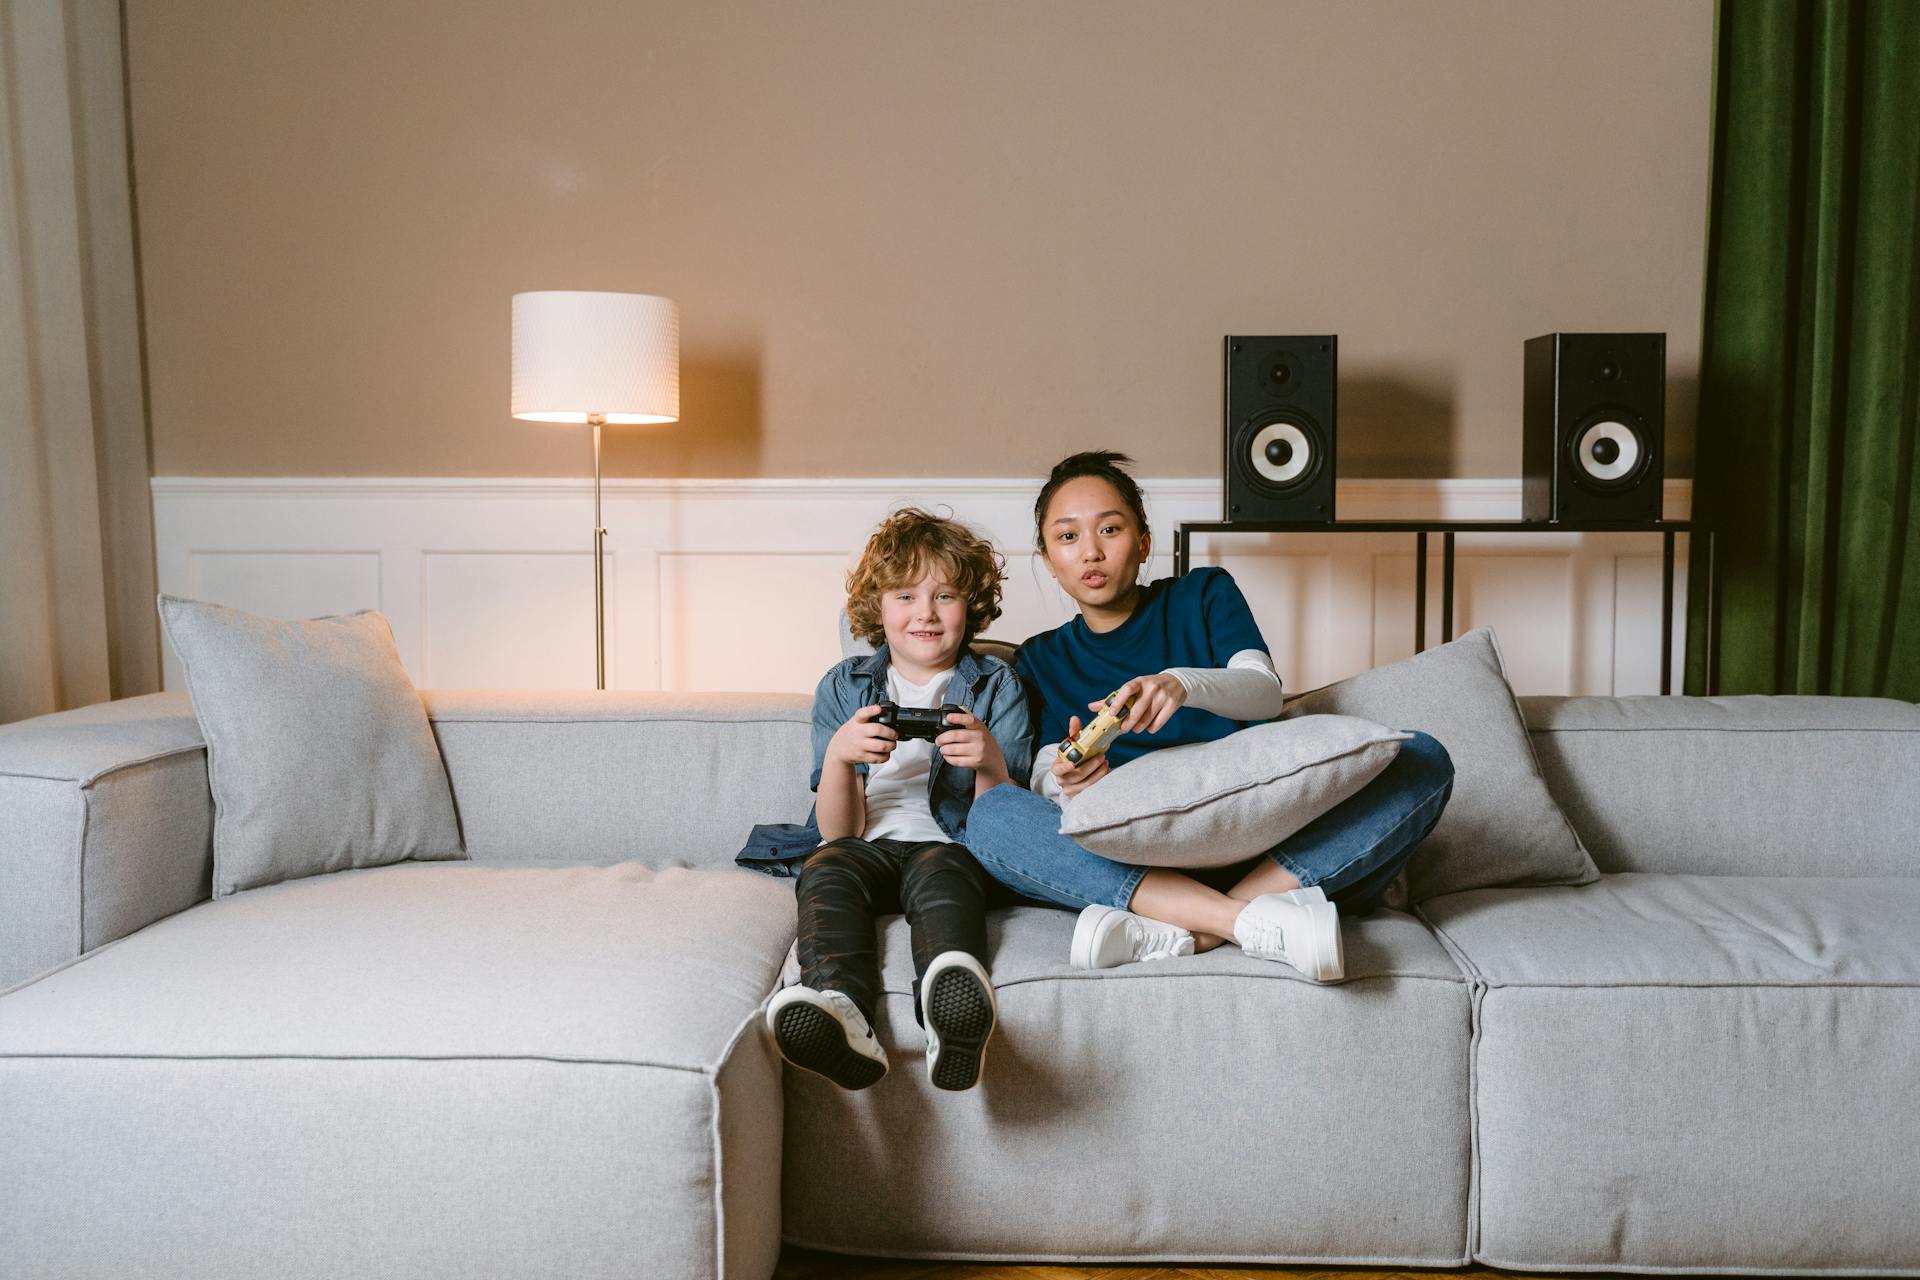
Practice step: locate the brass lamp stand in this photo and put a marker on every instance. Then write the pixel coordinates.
(598, 420)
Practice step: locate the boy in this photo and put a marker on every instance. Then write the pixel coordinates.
(890, 814)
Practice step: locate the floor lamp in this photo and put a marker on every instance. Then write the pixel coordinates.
(599, 359)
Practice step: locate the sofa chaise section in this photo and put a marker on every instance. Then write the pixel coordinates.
(419, 1070)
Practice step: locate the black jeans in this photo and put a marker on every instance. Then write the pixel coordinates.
(846, 884)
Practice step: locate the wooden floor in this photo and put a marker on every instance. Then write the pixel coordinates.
(799, 1264)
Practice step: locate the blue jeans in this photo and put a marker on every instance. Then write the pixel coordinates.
(1353, 851)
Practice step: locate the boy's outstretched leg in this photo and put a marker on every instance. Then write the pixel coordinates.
(944, 894)
(824, 1025)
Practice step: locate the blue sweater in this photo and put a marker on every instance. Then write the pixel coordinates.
(1200, 620)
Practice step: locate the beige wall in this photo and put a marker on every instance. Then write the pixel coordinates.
(907, 239)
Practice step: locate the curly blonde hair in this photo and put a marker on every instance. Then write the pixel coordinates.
(906, 545)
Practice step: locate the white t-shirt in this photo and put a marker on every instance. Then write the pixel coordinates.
(897, 806)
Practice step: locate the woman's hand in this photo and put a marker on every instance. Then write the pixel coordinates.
(861, 740)
(1075, 778)
(1155, 699)
(971, 745)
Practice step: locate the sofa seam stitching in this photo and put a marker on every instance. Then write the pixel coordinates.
(1476, 994)
(1108, 976)
(1452, 948)
(66, 964)
(1702, 728)
(1123, 1259)
(719, 1149)
(1527, 984)
(8, 1055)
(1611, 1268)
(603, 720)
(80, 866)
(88, 779)
(1475, 1158)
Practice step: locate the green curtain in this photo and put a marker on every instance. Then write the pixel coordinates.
(1810, 352)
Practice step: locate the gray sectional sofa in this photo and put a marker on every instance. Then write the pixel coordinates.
(547, 1060)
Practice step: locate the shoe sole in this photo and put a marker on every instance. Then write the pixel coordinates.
(960, 1013)
(813, 1040)
(1086, 935)
(1329, 955)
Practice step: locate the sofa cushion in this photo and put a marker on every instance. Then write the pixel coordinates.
(318, 752)
(666, 779)
(1652, 930)
(1501, 825)
(1736, 786)
(1695, 1073)
(1151, 1111)
(618, 964)
(424, 1070)
(1212, 804)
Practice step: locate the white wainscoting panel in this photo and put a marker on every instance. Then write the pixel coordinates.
(526, 604)
(732, 618)
(288, 584)
(738, 584)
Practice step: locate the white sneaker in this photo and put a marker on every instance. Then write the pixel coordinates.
(825, 1032)
(956, 1003)
(1294, 928)
(1107, 936)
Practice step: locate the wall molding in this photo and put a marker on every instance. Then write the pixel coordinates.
(489, 580)
(1439, 497)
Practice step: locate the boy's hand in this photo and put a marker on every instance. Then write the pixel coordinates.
(971, 745)
(861, 740)
(1155, 698)
(1075, 778)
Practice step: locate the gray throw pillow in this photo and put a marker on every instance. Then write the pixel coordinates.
(1501, 827)
(1212, 804)
(319, 754)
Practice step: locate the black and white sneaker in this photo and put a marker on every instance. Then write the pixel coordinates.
(956, 1002)
(825, 1032)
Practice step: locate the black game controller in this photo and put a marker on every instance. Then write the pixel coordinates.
(925, 723)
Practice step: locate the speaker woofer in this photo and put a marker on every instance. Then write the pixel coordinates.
(1608, 452)
(1279, 453)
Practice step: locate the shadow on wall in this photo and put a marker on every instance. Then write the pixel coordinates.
(719, 432)
(1683, 412)
(1400, 424)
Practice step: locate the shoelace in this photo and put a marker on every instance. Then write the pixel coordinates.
(1266, 936)
(1153, 941)
(854, 1018)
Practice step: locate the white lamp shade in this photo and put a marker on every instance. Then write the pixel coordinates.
(580, 354)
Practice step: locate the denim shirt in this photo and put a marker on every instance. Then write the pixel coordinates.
(984, 685)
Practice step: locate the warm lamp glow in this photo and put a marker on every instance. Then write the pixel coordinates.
(580, 356)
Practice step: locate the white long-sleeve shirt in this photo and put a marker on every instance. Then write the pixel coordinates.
(1247, 688)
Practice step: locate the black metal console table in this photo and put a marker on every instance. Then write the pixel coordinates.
(1448, 528)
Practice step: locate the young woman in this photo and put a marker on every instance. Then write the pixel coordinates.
(1187, 654)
